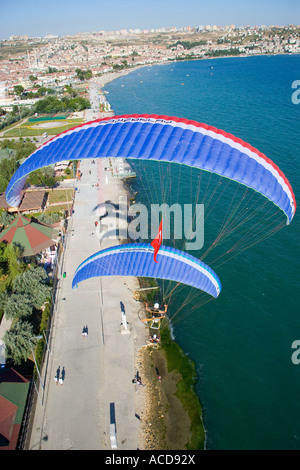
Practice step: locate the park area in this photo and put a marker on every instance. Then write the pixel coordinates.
(38, 126)
(58, 196)
(59, 199)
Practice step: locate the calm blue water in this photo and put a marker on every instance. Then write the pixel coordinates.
(240, 342)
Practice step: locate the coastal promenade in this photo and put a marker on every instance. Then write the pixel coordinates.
(97, 369)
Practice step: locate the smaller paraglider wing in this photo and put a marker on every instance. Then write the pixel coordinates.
(137, 260)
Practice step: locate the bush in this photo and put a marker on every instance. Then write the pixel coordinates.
(40, 347)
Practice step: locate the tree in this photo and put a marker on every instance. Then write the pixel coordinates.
(52, 105)
(8, 166)
(42, 177)
(3, 184)
(35, 178)
(49, 218)
(5, 217)
(19, 90)
(73, 93)
(17, 306)
(22, 149)
(32, 283)
(78, 104)
(3, 266)
(84, 74)
(19, 341)
(15, 110)
(52, 70)
(49, 105)
(42, 91)
(10, 261)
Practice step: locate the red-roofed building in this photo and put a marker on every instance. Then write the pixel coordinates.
(8, 412)
(13, 397)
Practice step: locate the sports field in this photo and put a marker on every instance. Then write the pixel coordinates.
(37, 128)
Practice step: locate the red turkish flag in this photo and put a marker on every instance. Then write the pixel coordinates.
(156, 243)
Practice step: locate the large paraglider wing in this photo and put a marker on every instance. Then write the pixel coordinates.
(137, 260)
(162, 138)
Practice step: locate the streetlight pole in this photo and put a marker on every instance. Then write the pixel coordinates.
(48, 347)
(37, 337)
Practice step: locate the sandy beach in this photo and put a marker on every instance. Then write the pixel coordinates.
(110, 76)
(165, 424)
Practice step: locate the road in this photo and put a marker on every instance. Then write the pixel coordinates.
(98, 368)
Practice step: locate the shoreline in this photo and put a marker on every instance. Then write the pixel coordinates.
(168, 421)
(168, 407)
(155, 398)
(164, 419)
(111, 76)
(154, 405)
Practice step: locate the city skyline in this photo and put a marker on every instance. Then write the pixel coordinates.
(37, 19)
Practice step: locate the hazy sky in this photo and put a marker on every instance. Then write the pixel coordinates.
(60, 17)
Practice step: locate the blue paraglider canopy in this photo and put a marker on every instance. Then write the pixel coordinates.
(138, 260)
(167, 139)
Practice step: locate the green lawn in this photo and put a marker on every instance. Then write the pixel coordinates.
(58, 208)
(59, 195)
(27, 130)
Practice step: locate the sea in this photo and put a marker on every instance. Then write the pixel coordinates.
(242, 342)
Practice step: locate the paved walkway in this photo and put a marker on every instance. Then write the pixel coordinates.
(98, 368)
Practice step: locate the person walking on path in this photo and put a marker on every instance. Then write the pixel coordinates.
(62, 378)
(85, 331)
(56, 378)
